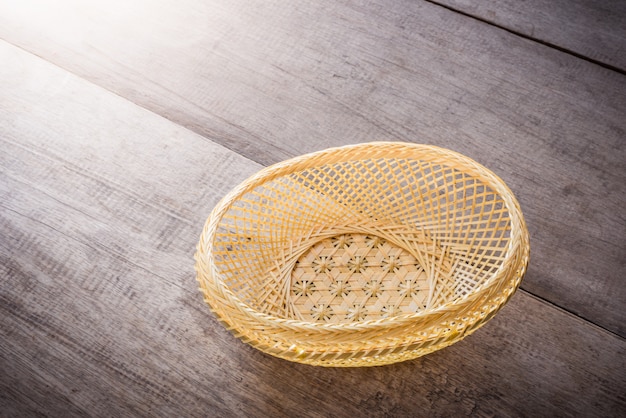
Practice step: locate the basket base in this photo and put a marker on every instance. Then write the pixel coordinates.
(356, 277)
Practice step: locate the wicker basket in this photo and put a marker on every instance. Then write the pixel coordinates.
(362, 255)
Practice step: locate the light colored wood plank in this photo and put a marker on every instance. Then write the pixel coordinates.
(593, 29)
(101, 203)
(272, 81)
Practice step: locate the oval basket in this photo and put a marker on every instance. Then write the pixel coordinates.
(362, 255)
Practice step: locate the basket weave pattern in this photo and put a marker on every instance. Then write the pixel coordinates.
(362, 255)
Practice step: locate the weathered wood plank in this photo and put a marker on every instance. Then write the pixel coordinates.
(593, 29)
(99, 215)
(271, 81)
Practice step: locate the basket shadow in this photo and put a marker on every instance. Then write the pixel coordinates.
(438, 381)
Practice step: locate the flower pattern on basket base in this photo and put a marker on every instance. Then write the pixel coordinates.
(356, 277)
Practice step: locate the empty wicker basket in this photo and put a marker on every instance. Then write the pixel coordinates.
(362, 255)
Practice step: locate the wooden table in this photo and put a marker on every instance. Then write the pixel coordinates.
(122, 124)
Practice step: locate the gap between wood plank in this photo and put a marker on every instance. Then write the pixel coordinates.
(530, 38)
(568, 312)
(223, 144)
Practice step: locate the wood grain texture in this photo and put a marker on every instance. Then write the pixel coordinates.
(592, 29)
(272, 81)
(101, 203)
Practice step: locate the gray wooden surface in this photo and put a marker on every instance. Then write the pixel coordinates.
(592, 29)
(270, 82)
(122, 125)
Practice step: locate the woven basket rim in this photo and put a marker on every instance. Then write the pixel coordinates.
(518, 243)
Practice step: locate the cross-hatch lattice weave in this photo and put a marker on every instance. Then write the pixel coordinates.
(362, 255)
